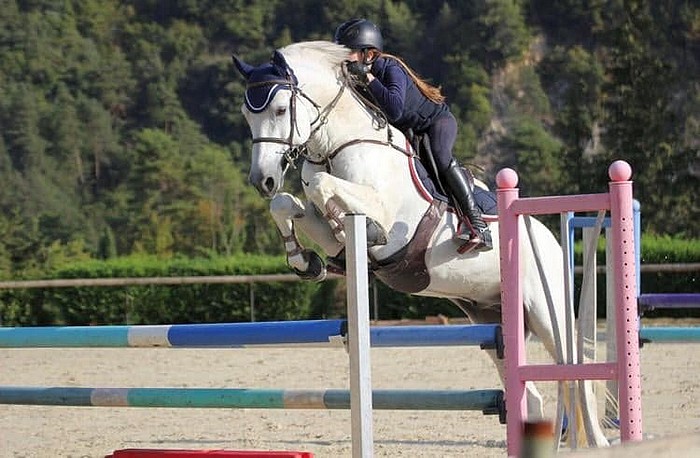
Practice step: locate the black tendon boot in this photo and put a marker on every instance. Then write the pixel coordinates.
(478, 235)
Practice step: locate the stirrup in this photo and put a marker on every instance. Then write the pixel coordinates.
(474, 244)
(473, 241)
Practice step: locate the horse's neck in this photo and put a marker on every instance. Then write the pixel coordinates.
(350, 121)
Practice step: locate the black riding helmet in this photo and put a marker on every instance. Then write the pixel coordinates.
(359, 34)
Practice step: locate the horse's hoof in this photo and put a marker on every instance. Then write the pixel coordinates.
(376, 235)
(316, 271)
(311, 276)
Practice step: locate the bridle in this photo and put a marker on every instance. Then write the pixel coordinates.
(293, 152)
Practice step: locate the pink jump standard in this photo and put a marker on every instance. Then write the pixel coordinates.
(626, 370)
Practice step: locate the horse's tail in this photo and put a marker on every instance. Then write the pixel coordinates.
(582, 414)
(581, 425)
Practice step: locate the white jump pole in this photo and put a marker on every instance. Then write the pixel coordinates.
(358, 336)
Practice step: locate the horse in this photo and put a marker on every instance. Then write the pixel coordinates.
(303, 105)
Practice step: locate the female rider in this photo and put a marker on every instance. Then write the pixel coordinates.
(410, 103)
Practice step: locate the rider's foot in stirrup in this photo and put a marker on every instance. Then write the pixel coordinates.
(475, 241)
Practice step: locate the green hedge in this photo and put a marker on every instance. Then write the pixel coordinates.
(198, 303)
(654, 250)
(211, 303)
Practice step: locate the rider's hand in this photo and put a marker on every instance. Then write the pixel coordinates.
(359, 71)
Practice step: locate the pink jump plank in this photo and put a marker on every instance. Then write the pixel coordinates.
(559, 204)
(554, 372)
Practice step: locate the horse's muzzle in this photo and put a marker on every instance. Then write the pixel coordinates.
(266, 186)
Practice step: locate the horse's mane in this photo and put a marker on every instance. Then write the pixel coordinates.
(316, 62)
(321, 52)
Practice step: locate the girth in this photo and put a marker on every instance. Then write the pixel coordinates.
(405, 270)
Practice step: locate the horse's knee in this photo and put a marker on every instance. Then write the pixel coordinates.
(286, 205)
(320, 179)
(316, 185)
(317, 182)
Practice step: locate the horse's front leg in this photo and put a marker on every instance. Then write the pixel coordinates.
(289, 213)
(338, 197)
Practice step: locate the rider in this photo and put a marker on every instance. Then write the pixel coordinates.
(410, 103)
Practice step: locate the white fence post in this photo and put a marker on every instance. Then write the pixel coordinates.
(358, 336)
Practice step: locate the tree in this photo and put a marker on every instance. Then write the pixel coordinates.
(107, 247)
(503, 34)
(643, 124)
(222, 201)
(23, 139)
(124, 117)
(537, 157)
(573, 78)
(156, 183)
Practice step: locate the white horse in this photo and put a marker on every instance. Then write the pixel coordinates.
(301, 104)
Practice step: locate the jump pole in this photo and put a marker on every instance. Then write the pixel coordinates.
(626, 369)
(489, 402)
(358, 335)
(625, 275)
(286, 334)
(651, 301)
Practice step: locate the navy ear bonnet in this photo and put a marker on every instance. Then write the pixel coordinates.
(264, 81)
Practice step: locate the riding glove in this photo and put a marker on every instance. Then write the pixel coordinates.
(359, 71)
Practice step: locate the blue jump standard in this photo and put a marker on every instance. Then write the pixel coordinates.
(239, 335)
(487, 401)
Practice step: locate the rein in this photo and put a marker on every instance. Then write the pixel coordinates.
(383, 124)
(358, 141)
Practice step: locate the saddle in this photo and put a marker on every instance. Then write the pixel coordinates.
(406, 270)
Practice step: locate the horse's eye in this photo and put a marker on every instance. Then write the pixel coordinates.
(280, 111)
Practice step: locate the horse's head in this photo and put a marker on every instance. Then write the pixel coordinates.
(281, 116)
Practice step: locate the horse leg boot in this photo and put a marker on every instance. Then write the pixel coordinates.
(478, 236)
(376, 235)
(288, 212)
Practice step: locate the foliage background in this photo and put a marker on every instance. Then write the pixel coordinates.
(121, 133)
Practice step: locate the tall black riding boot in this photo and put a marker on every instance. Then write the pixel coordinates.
(478, 236)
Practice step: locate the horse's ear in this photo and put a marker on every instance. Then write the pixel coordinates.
(280, 63)
(243, 68)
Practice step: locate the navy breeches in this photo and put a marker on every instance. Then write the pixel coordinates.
(443, 134)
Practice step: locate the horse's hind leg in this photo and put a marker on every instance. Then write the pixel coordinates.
(479, 314)
(535, 403)
(289, 213)
(587, 409)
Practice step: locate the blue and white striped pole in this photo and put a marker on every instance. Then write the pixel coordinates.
(309, 333)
